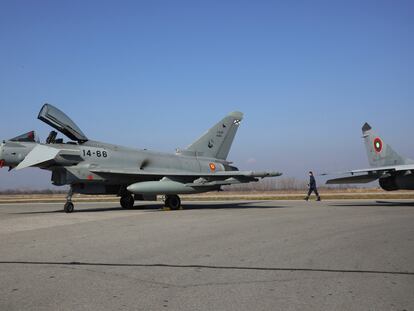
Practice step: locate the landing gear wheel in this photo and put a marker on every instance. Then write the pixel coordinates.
(127, 201)
(173, 202)
(69, 207)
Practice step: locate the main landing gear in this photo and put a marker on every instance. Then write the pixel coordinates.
(127, 201)
(173, 202)
(69, 207)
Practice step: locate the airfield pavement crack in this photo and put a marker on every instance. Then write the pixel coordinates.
(212, 267)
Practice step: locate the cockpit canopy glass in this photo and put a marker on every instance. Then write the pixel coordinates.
(61, 122)
(26, 137)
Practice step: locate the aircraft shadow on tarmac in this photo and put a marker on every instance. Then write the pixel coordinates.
(376, 203)
(159, 207)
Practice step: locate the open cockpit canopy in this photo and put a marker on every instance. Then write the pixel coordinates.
(61, 122)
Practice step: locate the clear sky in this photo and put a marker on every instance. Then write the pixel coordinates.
(156, 74)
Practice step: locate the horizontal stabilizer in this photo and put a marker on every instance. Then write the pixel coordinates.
(359, 179)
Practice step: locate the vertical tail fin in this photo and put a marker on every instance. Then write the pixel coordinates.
(379, 153)
(217, 141)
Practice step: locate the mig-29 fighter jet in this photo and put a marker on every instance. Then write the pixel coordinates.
(393, 171)
(92, 167)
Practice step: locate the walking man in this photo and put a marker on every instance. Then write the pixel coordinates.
(312, 187)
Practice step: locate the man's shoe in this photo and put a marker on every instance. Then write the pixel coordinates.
(318, 199)
(306, 199)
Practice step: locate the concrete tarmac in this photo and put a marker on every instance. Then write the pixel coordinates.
(267, 255)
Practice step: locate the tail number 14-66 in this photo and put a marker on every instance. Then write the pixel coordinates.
(97, 153)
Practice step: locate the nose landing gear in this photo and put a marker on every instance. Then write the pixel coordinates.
(69, 207)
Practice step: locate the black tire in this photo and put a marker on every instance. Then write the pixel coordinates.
(127, 201)
(173, 202)
(69, 207)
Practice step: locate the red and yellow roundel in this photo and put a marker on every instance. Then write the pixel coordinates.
(378, 145)
(212, 166)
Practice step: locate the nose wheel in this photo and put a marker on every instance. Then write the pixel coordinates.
(127, 201)
(69, 207)
(173, 202)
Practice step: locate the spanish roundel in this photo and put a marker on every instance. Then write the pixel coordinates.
(378, 144)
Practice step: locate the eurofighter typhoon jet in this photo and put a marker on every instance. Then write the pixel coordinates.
(393, 171)
(92, 167)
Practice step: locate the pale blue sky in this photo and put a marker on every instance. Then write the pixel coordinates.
(156, 74)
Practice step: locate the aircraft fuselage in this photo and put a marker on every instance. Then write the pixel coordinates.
(92, 156)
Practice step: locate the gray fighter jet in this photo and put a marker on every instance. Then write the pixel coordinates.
(92, 167)
(393, 171)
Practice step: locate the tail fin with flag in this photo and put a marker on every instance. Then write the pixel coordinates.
(217, 141)
(379, 153)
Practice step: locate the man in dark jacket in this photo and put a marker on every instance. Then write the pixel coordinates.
(312, 187)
